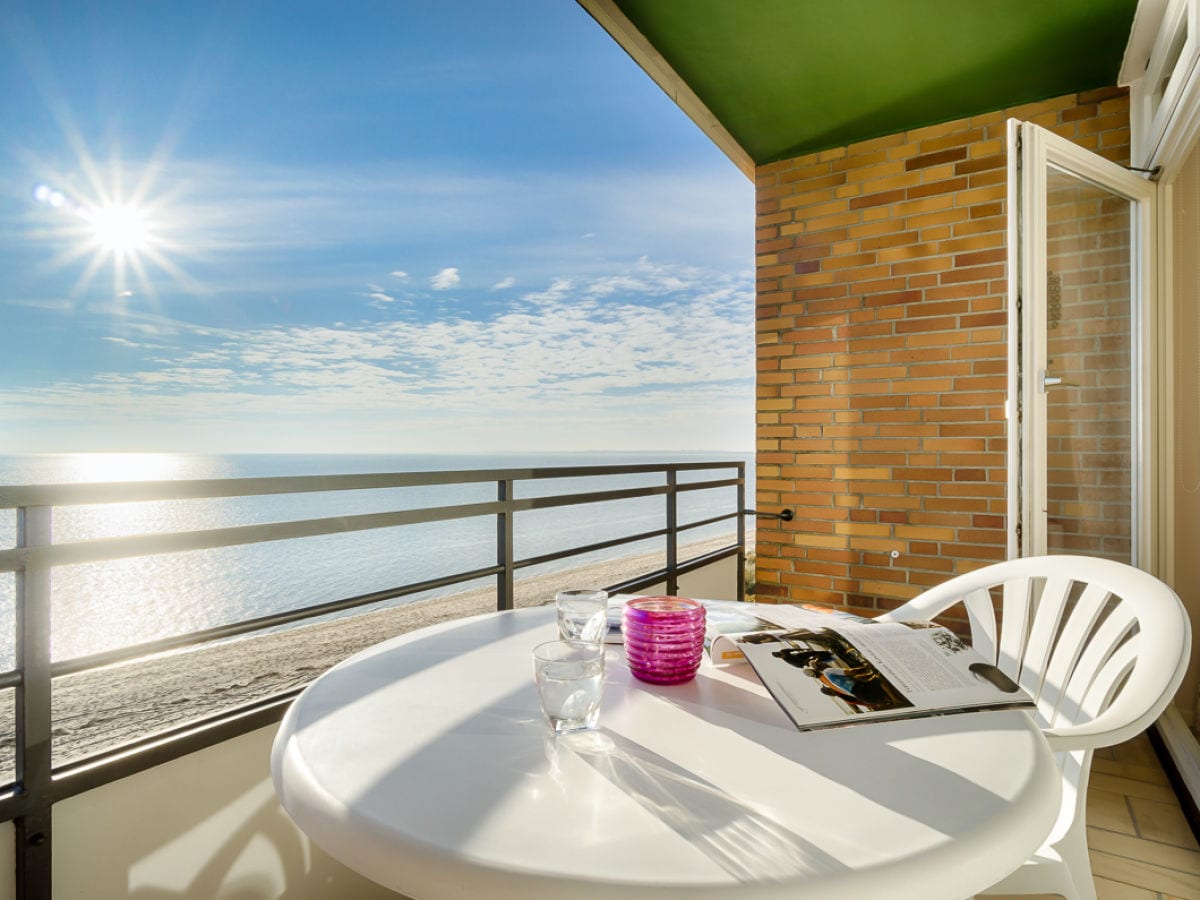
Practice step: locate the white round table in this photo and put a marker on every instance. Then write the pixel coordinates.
(424, 763)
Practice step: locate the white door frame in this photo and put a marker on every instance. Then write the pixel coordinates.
(1031, 151)
(1163, 136)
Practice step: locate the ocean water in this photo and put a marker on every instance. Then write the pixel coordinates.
(98, 606)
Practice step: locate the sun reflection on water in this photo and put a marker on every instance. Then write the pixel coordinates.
(99, 605)
(88, 467)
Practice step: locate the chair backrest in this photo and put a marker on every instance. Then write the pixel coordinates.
(1101, 646)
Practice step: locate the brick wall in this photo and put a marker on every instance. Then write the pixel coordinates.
(881, 353)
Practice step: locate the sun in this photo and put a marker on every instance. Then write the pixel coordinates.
(105, 227)
(120, 228)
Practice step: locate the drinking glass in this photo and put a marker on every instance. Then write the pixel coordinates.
(582, 615)
(570, 683)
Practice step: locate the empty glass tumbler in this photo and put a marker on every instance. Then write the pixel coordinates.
(664, 638)
(582, 615)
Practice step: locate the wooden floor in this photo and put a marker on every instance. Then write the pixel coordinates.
(1141, 845)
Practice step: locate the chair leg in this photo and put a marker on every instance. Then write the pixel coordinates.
(1044, 878)
(1074, 852)
(1070, 875)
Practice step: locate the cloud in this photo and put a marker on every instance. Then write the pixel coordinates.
(63, 306)
(379, 298)
(504, 283)
(403, 276)
(557, 290)
(617, 352)
(445, 279)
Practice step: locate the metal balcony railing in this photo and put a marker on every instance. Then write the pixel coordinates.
(38, 784)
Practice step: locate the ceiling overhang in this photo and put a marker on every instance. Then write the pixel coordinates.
(774, 79)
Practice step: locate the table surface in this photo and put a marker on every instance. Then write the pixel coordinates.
(424, 763)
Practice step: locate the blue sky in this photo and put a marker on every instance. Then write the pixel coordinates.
(402, 226)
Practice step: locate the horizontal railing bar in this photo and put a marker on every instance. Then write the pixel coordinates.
(555, 500)
(635, 584)
(235, 629)
(699, 562)
(13, 803)
(700, 523)
(649, 490)
(707, 485)
(78, 776)
(102, 549)
(89, 493)
(576, 551)
(543, 473)
(10, 679)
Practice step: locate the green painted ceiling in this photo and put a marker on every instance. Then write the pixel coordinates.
(788, 77)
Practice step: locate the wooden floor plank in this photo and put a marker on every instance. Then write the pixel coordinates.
(1115, 890)
(1165, 855)
(1137, 751)
(1148, 774)
(1144, 875)
(1133, 787)
(1162, 821)
(1111, 811)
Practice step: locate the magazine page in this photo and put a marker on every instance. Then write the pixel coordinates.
(844, 672)
(731, 623)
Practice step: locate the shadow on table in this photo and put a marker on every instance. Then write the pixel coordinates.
(878, 765)
(743, 842)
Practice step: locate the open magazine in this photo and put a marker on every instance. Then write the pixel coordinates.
(835, 671)
(825, 667)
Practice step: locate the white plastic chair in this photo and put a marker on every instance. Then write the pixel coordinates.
(1100, 645)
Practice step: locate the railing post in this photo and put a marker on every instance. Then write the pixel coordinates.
(672, 533)
(33, 736)
(741, 532)
(504, 545)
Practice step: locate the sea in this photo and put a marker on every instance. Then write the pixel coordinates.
(102, 606)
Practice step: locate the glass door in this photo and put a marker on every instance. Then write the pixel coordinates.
(1081, 284)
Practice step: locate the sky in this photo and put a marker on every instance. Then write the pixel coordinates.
(405, 226)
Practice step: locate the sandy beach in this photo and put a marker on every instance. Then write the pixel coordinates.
(107, 707)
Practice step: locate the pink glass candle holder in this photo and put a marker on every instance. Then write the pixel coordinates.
(664, 638)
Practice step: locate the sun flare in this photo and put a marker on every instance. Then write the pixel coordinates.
(107, 227)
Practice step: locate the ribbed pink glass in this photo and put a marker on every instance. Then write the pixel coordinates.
(664, 638)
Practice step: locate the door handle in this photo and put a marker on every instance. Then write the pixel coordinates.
(1049, 381)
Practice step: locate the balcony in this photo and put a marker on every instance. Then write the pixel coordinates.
(132, 728)
(188, 810)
